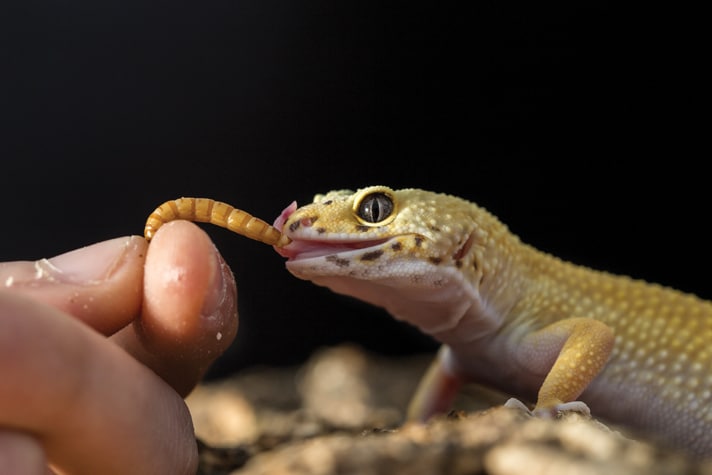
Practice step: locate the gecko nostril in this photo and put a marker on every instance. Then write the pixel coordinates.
(306, 222)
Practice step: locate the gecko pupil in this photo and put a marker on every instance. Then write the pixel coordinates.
(375, 207)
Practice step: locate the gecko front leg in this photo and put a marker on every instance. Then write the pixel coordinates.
(437, 389)
(571, 352)
(568, 354)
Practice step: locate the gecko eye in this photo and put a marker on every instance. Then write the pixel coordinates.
(375, 207)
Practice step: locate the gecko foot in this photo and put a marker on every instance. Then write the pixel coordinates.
(550, 412)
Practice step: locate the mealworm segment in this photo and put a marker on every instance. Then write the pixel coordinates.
(205, 210)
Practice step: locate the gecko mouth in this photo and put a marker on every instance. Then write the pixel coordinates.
(300, 249)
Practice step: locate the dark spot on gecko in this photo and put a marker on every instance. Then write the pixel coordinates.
(458, 263)
(435, 260)
(328, 202)
(339, 261)
(418, 241)
(397, 246)
(362, 228)
(434, 228)
(321, 230)
(372, 256)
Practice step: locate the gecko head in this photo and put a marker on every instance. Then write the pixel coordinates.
(409, 251)
(341, 231)
(375, 233)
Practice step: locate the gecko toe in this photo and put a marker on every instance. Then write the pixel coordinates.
(553, 412)
(516, 404)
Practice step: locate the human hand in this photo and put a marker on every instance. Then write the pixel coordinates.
(97, 350)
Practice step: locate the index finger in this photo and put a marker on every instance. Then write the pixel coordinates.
(101, 284)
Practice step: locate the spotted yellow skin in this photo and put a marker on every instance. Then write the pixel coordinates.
(513, 317)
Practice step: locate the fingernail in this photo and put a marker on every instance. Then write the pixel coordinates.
(218, 288)
(86, 265)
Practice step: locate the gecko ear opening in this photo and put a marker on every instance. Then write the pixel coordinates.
(374, 206)
(464, 249)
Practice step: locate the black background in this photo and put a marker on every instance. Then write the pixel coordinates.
(577, 125)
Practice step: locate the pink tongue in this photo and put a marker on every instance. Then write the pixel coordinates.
(282, 218)
(279, 224)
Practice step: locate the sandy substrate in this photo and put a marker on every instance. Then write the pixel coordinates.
(342, 413)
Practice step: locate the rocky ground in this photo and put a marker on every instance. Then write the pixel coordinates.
(341, 413)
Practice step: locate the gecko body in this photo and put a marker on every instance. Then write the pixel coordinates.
(511, 316)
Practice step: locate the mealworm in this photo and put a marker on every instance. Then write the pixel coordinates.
(205, 210)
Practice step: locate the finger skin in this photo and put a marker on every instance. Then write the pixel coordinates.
(189, 313)
(96, 404)
(21, 454)
(107, 294)
(178, 335)
(93, 406)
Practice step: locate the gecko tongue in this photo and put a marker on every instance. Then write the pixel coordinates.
(279, 224)
(284, 215)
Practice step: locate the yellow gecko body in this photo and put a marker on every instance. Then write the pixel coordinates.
(511, 316)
